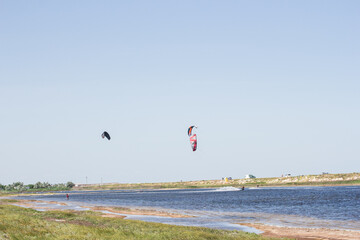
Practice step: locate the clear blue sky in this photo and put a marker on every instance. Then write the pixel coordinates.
(274, 87)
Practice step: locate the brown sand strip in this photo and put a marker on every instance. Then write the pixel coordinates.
(129, 211)
(305, 233)
(120, 210)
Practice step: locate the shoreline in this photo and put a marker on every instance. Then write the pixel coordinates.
(85, 189)
(107, 210)
(320, 180)
(266, 229)
(175, 188)
(304, 233)
(325, 179)
(24, 223)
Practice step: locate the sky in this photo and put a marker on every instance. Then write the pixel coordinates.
(273, 86)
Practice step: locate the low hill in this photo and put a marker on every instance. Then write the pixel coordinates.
(304, 180)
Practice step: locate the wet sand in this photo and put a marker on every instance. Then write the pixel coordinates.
(108, 211)
(131, 211)
(304, 233)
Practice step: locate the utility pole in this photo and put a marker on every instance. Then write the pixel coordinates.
(86, 179)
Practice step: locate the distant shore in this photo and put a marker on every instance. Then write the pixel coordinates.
(344, 179)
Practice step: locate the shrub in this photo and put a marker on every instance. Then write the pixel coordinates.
(70, 184)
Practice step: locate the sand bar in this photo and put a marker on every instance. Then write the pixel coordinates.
(50, 205)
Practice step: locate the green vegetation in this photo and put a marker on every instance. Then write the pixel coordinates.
(38, 187)
(306, 180)
(24, 223)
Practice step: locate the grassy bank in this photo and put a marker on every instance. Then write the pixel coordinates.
(23, 223)
(305, 180)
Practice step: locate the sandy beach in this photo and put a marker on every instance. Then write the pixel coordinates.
(131, 211)
(108, 210)
(305, 233)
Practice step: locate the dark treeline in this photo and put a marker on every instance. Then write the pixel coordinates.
(39, 186)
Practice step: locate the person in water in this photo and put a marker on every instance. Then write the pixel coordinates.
(67, 196)
(243, 188)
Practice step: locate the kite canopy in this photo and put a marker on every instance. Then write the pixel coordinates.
(193, 142)
(190, 130)
(193, 138)
(105, 135)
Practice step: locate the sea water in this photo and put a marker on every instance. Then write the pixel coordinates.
(314, 207)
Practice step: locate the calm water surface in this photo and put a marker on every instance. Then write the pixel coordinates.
(332, 207)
